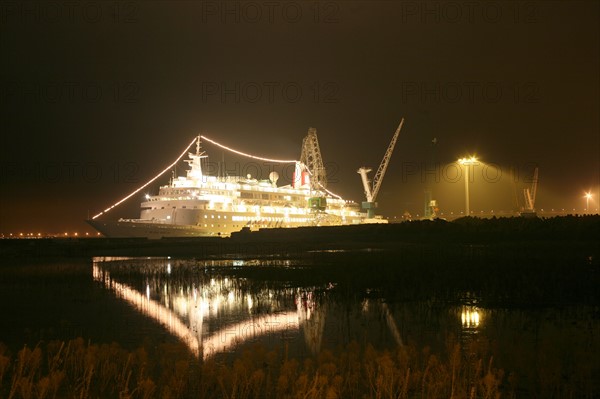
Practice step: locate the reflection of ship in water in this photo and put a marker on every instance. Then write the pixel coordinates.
(212, 310)
(214, 315)
(312, 320)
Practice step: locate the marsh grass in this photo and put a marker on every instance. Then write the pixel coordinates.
(79, 369)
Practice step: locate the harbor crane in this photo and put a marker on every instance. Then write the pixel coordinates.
(529, 195)
(313, 161)
(310, 171)
(372, 188)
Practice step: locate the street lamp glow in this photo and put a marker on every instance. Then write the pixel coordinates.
(588, 197)
(470, 161)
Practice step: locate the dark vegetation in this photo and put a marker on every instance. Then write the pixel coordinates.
(296, 241)
(83, 370)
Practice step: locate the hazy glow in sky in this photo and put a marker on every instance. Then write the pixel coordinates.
(97, 99)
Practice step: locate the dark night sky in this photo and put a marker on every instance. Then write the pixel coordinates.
(97, 97)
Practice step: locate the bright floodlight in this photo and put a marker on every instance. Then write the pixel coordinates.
(588, 197)
(468, 161)
(472, 160)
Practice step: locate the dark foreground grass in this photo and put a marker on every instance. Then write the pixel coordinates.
(77, 369)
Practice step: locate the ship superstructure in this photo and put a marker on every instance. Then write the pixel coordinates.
(199, 204)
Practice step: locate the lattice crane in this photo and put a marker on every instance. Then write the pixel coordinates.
(372, 188)
(312, 160)
(529, 195)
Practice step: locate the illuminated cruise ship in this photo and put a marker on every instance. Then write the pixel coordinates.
(199, 204)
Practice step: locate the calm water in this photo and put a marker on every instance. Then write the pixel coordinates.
(218, 308)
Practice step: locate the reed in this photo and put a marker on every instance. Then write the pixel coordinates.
(79, 369)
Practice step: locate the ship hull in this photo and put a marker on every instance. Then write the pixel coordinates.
(139, 228)
(129, 229)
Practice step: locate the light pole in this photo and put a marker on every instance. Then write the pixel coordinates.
(588, 196)
(467, 162)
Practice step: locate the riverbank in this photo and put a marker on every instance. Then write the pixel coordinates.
(296, 242)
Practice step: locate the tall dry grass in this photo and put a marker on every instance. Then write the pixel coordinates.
(79, 369)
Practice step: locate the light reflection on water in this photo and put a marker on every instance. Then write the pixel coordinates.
(470, 317)
(214, 315)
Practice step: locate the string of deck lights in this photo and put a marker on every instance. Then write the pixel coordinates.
(181, 156)
(247, 155)
(147, 183)
(329, 192)
(264, 159)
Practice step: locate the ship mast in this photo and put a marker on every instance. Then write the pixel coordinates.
(195, 162)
